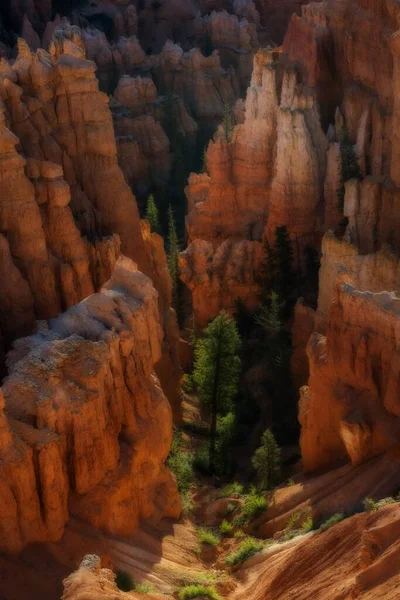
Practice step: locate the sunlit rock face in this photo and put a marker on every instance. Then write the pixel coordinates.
(86, 426)
(67, 211)
(267, 172)
(349, 411)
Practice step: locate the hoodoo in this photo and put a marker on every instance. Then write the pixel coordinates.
(199, 299)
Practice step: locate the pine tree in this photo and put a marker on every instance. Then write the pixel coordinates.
(277, 274)
(173, 256)
(267, 461)
(216, 372)
(228, 121)
(349, 167)
(152, 214)
(269, 316)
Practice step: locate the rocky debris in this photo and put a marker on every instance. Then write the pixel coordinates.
(83, 408)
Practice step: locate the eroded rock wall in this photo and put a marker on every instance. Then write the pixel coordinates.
(267, 172)
(68, 187)
(86, 425)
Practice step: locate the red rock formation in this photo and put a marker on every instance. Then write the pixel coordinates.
(355, 559)
(217, 278)
(53, 105)
(91, 582)
(269, 173)
(83, 409)
(350, 408)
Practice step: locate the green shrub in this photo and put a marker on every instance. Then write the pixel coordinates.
(124, 581)
(198, 591)
(307, 525)
(254, 504)
(246, 549)
(298, 524)
(336, 518)
(267, 461)
(370, 505)
(187, 503)
(180, 462)
(239, 533)
(230, 490)
(208, 537)
(225, 528)
(230, 508)
(188, 385)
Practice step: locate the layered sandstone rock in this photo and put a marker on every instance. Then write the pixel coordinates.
(83, 411)
(268, 172)
(356, 558)
(353, 369)
(91, 581)
(218, 278)
(71, 177)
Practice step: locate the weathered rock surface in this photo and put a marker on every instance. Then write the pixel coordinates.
(349, 411)
(69, 185)
(356, 558)
(87, 427)
(268, 172)
(217, 278)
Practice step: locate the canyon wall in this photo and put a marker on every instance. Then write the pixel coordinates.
(66, 210)
(81, 411)
(267, 172)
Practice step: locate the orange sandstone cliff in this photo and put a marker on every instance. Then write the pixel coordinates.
(86, 426)
(69, 185)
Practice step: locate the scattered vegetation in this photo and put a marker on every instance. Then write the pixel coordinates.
(226, 528)
(254, 504)
(231, 489)
(230, 508)
(336, 518)
(208, 537)
(267, 461)
(180, 461)
(124, 581)
(198, 591)
(371, 505)
(246, 549)
(152, 215)
(216, 374)
(173, 261)
(298, 524)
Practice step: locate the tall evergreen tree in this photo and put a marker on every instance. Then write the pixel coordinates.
(349, 166)
(267, 461)
(277, 274)
(269, 317)
(216, 372)
(173, 256)
(152, 214)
